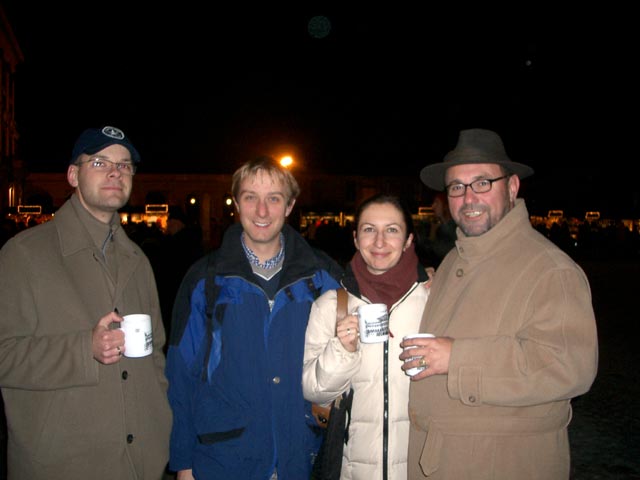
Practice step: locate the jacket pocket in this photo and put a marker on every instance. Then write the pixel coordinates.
(218, 415)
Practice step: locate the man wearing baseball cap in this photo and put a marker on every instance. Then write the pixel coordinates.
(515, 332)
(76, 405)
(92, 140)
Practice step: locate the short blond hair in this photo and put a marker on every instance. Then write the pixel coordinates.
(273, 168)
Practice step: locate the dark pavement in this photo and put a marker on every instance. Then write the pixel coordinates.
(605, 430)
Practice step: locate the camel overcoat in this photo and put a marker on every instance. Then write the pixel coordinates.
(69, 416)
(525, 343)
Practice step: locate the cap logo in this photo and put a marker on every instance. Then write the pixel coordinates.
(113, 132)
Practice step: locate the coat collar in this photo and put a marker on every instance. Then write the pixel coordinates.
(299, 260)
(488, 243)
(73, 227)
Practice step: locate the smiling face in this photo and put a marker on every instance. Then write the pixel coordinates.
(102, 191)
(262, 207)
(477, 213)
(381, 236)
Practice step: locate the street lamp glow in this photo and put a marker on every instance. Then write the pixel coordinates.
(286, 161)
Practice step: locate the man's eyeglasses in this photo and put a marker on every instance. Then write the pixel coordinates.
(104, 165)
(478, 186)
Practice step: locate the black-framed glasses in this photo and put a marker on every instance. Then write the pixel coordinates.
(478, 186)
(104, 165)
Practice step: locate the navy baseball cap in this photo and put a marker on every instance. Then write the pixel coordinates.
(92, 140)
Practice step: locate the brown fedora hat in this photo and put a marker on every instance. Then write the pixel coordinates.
(474, 146)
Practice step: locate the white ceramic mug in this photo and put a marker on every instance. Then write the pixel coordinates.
(138, 337)
(373, 322)
(412, 371)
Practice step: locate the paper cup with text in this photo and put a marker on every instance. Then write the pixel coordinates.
(373, 322)
(138, 337)
(412, 371)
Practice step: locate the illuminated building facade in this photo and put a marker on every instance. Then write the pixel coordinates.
(11, 167)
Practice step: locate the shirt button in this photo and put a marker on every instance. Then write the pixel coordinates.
(276, 380)
(125, 375)
(459, 272)
(129, 438)
(472, 399)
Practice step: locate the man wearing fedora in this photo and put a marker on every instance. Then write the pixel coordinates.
(515, 333)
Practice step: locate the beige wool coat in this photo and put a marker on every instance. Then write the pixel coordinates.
(525, 343)
(70, 417)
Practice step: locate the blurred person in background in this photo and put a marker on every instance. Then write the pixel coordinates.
(442, 235)
(177, 250)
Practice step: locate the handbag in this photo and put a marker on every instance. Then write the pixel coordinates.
(335, 421)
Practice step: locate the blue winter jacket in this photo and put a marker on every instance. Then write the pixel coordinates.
(235, 381)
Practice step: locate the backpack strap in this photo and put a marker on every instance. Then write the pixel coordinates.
(313, 289)
(211, 291)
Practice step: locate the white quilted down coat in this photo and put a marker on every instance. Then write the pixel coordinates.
(379, 429)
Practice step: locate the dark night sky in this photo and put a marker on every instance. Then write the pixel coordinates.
(385, 92)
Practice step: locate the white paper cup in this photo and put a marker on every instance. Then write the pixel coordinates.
(373, 322)
(138, 337)
(412, 371)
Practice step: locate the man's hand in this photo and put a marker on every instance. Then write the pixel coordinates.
(431, 272)
(185, 475)
(107, 344)
(435, 352)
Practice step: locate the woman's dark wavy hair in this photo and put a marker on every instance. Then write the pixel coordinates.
(383, 198)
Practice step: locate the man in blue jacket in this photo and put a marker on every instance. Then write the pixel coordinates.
(235, 356)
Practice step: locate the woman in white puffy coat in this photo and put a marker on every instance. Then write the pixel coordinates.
(385, 269)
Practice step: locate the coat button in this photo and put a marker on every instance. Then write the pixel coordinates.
(472, 399)
(129, 438)
(459, 272)
(125, 375)
(276, 380)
